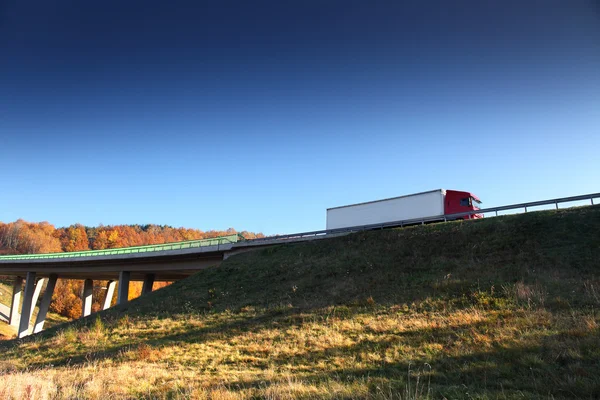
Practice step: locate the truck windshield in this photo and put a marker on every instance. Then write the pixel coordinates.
(475, 203)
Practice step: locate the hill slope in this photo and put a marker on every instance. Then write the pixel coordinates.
(496, 308)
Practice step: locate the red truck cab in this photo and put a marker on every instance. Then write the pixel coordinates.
(457, 202)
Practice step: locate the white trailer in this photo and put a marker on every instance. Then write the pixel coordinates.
(418, 205)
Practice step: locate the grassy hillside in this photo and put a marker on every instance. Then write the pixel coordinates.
(498, 308)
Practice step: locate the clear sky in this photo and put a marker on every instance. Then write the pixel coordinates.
(259, 115)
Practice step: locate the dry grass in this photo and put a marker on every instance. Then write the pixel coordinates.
(6, 331)
(364, 352)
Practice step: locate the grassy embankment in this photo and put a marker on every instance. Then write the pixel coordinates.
(498, 308)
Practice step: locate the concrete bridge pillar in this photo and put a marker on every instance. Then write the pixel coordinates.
(88, 290)
(45, 303)
(27, 305)
(110, 292)
(123, 295)
(148, 283)
(16, 299)
(36, 294)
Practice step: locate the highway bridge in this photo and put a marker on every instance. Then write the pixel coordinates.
(149, 264)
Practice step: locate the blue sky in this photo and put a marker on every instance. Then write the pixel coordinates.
(260, 115)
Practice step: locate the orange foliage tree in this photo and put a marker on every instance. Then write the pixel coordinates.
(66, 299)
(73, 238)
(21, 237)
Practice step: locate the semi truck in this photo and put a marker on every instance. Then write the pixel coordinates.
(432, 205)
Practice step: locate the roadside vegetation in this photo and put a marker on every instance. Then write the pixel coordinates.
(500, 308)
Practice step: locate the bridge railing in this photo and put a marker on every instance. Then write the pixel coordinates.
(438, 218)
(218, 241)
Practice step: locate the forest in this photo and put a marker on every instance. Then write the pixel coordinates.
(22, 237)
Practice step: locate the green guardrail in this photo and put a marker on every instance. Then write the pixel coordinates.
(131, 250)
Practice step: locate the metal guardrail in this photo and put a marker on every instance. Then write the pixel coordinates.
(439, 218)
(131, 250)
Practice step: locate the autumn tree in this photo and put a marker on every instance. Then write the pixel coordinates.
(21, 237)
(66, 299)
(73, 238)
(101, 241)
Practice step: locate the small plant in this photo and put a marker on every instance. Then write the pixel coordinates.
(70, 335)
(591, 291)
(124, 322)
(99, 329)
(522, 293)
(370, 301)
(143, 352)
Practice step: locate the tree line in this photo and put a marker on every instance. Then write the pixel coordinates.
(22, 237)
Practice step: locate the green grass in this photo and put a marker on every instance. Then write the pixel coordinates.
(497, 308)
